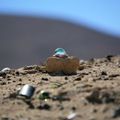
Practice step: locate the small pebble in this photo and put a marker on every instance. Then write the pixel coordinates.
(3, 83)
(66, 78)
(20, 79)
(17, 73)
(103, 73)
(44, 107)
(45, 79)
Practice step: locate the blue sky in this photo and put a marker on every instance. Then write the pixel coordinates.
(103, 15)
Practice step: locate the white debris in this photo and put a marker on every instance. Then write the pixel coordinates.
(82, 61)
(5, 69)
(71, 116)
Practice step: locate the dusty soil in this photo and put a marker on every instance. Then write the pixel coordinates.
(92, 94)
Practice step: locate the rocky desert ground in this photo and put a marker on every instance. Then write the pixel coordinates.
(91, 94)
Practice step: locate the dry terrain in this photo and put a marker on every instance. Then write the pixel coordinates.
(92, 94)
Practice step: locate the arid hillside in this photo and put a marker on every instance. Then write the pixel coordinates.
(29, 40)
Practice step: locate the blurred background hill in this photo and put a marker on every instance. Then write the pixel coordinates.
(29, 33)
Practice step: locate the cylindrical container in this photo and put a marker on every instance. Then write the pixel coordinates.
(27, 91)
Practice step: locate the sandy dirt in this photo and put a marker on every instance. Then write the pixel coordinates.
(92, 94)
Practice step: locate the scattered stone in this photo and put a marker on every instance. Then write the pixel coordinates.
(73, 108)
(66, 78)
(103, 73)
(109, 57)
(20, 79)
(114, 75)
(93, 100)
(17, 73)
(44, 106)
(5, 118)
(19, 84)
(13, 95)
(45, 79)
(98, 96)
(116, 113)
(81, 67)
(2, 83)
(94, 97)
(3, 74)
(78, 79)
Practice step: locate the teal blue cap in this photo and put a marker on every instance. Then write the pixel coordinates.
(60, 51)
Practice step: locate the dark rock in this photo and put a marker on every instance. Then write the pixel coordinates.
(3, 74)
(94, 97)
(99, 97)
(45, 79)
(107, 96)
(20, 79)
(73, 108)
(29, 103)
(109, 57)
(17, 73)
(44, 106)
(19, 84)
(2, 83)
(81, 67)
(8, 79)
(12, 95)
(114, 75)
(103, 73)
(78, 79)
(5, 118)
(66, 78)
(116, 113)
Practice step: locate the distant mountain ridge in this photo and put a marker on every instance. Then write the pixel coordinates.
(28, 40)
